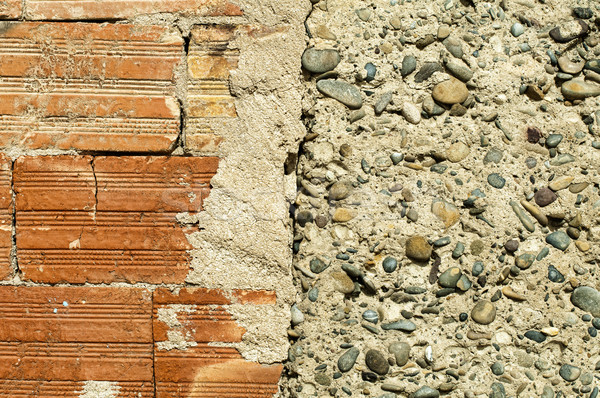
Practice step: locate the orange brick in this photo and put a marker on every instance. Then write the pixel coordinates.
(10, 9)
(117, 9)
(6, 210)
(205, 319)
(203, 369)
(210, 61)
(93, 87)
(105, 219)
(55, 338)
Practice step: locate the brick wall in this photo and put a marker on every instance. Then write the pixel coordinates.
(120, 275)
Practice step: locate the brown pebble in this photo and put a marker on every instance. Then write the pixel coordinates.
(417, 248)
(544, 197)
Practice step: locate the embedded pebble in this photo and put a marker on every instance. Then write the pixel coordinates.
(377, 362)
(417, 248)
(484, 312)
(319, 61)
(451, 91)
(345, 93)
(587, 299)
(348, 359)
(569, 372)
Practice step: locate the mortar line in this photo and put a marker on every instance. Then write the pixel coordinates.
(13, 249)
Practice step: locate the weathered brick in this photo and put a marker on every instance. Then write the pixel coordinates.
(197, 368)
(6, 210)
(210, 61)
(93, 87)
(118, 9)
(84, 219)
(54, 339)
(11, 9)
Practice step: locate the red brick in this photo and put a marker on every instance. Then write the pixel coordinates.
(11, 9)
(93, 87)
(207, 320)
(203, 369)
(105, 219)
(6, 210)
(116, 9)
(55, 338)
(210, 62)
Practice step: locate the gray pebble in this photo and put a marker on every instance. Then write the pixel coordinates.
(396, 157)
(496, 180)
(458, 251)
(371, 316)
(497, 368)
(453, 46)
(548, 392)
(409, 64)
(428, 69)
(587, 299)
(569, 372)
(450, 277)
(494, 155)
(403, 325)
(559, 239)
(344, 92)
(348, 359)
(477, 268)
(498, 391)
(297, 315)
(554, 275)
(371, 71)
(383, 102)
(313, 294)
(460, 71)
(320, 61)
(390, 264)
(340, 190)
(517, 29)
(536, 336)
(317, 265)
(426, 392)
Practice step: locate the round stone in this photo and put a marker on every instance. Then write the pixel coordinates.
(401, 351)
(320, 61)
(517, 29)
(496, 180)
(377, 362)
(390, 264)
(559, 239)
(417, 248)
(339, 90)
(569, 372)
(340, 190)
(450, 92)
(497, 368)
(544, 196)
(484, 312)
(512, 245)
(587, 299)
(457, 152)
(450, 277)
(317, 265)
(411, 113)
(348, 359)
(370, 316)
(477, 268)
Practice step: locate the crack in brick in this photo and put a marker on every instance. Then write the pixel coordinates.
(93, 165)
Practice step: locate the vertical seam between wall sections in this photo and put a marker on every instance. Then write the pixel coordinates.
(13, 214)
(182, 107)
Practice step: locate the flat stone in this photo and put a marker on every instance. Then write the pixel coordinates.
(496, 180)
(401, 352)
(454, 46)
(339, 90)
(377, 362)
(587, 299)
(342, 282)
(426, 392)
(494, 155)
(428, 69)
(559, 239)
(417, 248)
(383, 102)
(578, 89)
(525, 260)
(460, 71)
(569, 31)
(403, 325)
(348, 359)
(450, 92)
(484, 312)
(371, 316)
(568, 66)
(569, 372)
(409, 65)
(343, 215)
(536, 336)
(320, 61)
(317, 265)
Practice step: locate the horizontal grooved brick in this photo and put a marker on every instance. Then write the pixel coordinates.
(55, 338)
(201, 369)
(11, 9)
(93, 87)
(210, 62)
(104, 219)
(118, 9)
(6, 216)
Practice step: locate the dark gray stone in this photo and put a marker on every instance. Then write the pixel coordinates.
(339, 90)
(587, 299)
(348, 359)
(320, 61)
